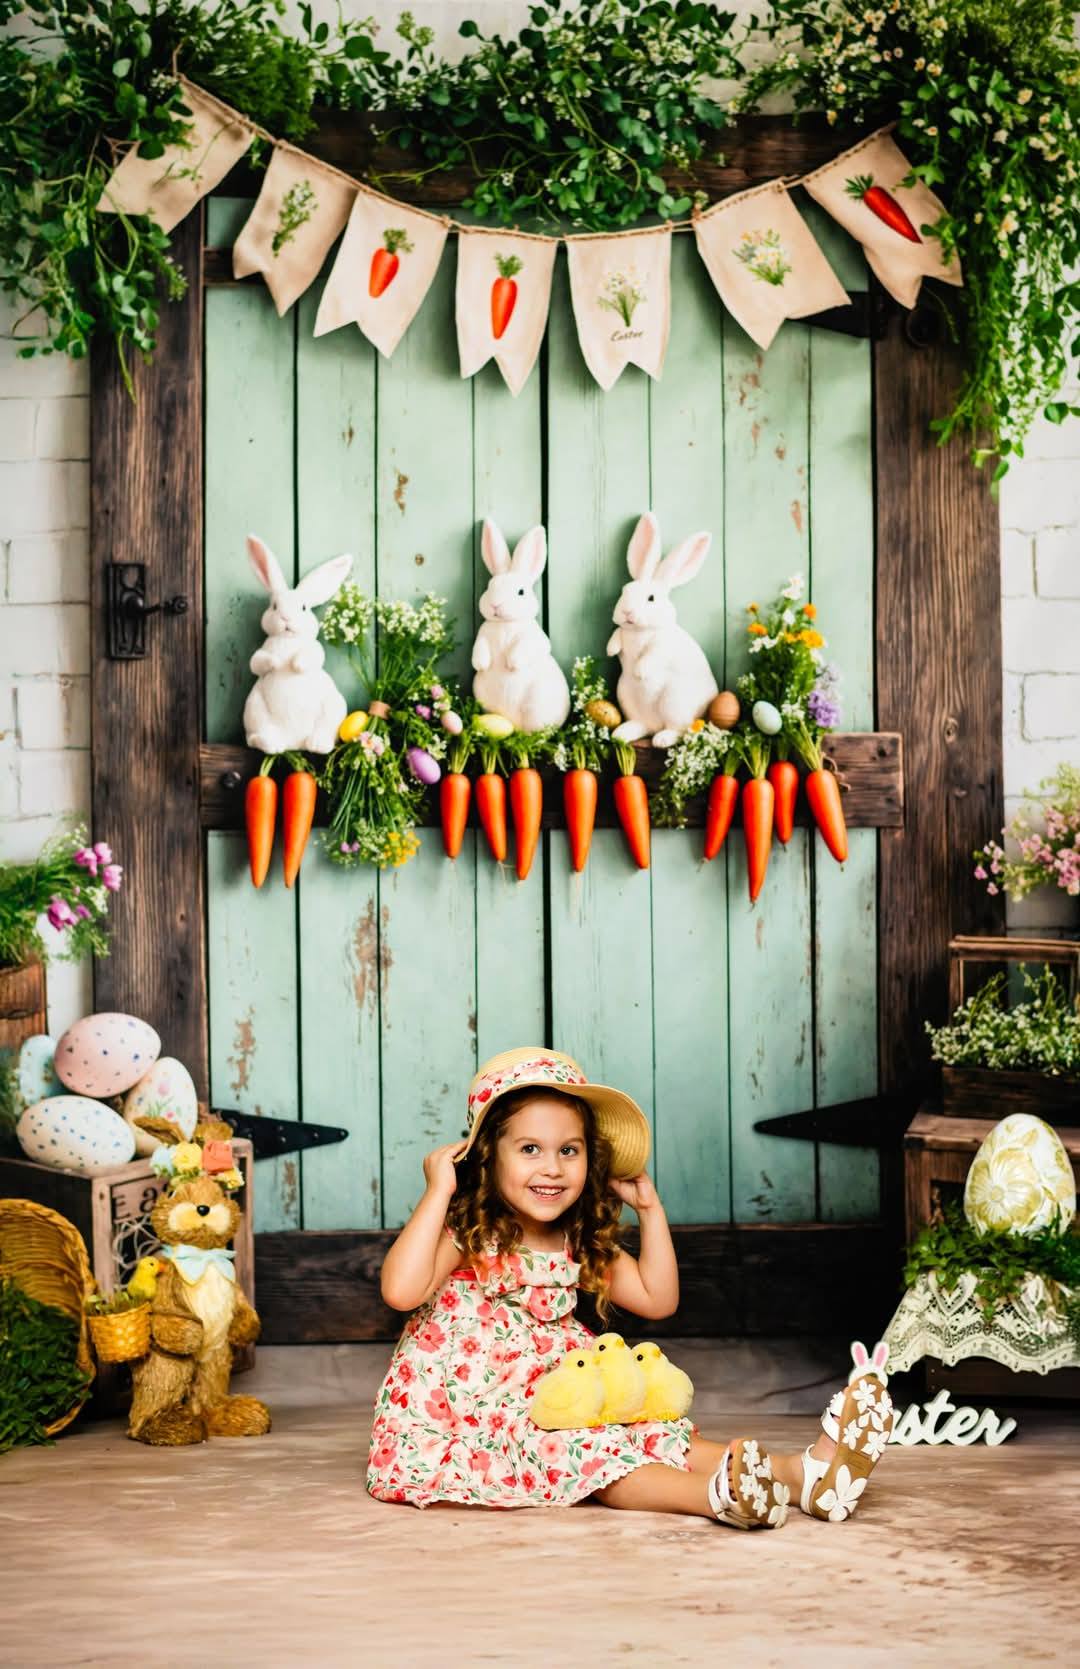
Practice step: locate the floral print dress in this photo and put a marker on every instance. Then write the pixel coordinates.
(452, 1416)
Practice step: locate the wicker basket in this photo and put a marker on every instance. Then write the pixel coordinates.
(123, 1336)
(46, 1257)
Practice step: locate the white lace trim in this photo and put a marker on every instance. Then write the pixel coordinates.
(1028, 1335)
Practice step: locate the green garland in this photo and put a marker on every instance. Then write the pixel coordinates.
(1000, 1261)
(39, 1379)
(576, 118)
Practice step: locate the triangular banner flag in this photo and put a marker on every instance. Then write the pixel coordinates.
(168, 187)
(300, 210)
(765, 262)
(620, 287)
(384, 268)
(864, 193)
(503, 292)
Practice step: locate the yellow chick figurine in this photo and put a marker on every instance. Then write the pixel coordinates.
(668, 1391)
(143, 1284)
(570, 1395)
(624, 1380)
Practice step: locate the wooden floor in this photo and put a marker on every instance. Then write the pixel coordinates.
(270, 1553)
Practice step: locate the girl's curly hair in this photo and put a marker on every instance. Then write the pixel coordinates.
(482, 1223)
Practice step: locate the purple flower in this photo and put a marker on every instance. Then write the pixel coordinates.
(437, 691)
(822, 709)
(60, 913)
(82, 912)
(424, 712)
(86, 858)
(102, 853)
(111, 875)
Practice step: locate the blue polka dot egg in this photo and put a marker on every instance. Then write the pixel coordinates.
(76, 1133)
(106, 1054)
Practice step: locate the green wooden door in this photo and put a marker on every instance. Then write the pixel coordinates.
(366, 1001)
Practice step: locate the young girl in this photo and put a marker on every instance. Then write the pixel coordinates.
(513, 1221)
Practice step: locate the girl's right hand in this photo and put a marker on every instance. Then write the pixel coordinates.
(439, 1172)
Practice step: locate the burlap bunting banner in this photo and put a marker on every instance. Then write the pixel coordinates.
(620, 287)
(300, 210)
(502, 298)
(864, 193)
(168, 187)
(384, 268)
(765, 261)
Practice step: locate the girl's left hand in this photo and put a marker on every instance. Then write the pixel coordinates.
(635, 1191)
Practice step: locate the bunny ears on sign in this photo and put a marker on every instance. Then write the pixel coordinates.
(867, 1364)
(186, 1161)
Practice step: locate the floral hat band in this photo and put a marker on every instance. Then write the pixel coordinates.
(619, 1119)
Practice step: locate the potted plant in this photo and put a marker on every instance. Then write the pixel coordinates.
(68, 883)
(1043, 842)
(999, 1059)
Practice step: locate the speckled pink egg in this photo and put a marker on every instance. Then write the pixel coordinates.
(106, 1054)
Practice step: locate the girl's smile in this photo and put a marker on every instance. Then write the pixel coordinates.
(541, 1160)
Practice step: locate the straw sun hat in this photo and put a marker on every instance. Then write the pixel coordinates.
(619, 1119)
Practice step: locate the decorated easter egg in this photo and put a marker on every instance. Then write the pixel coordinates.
(77, 1133)
(105, 1054)
(604, 713)
(352, 725)
(493, 725)
(165, 1094)
(723, 710)
(35, 1074)
(1020, 1179)
(452, 722)
(766, 717)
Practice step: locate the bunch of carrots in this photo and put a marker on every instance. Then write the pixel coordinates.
(298, 813)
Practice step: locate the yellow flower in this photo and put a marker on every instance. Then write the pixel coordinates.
(698, 724)
(789, 637)
(810, 611)
(756, 629)
(230, 1178)
(187, 1157)
(1003, 1190)
(812, 640)
(751, 608)
(1024, 96)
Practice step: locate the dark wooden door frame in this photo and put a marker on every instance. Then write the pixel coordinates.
(938, 683)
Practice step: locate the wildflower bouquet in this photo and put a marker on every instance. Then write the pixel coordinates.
(1049, 855)
(703, 757)
(389, 753)
(69, 883)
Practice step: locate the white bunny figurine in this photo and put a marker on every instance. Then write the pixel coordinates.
(666, 681)
(516, 673)
(294, 703)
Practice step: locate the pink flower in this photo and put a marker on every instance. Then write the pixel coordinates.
(528, 1481)
(542, 1343)
(60, 913)
(102, 853)
(550, 1447)
(86, 858)
(462, 1371)
(110, 876)
(980, 872)
(437, 691)
(438, 1409)
(480, 1462)
(406, 1373)
(382, 1455)
(592, 1466)
(82, 912)
(470, 1344)
(431, 1337)
(449, 1300)
(553, 1475)
(541, 1303)
(992, 890)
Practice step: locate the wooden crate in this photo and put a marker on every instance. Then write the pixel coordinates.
(23, 1005)
(981, 1091)
(111, 1212)
(938, 1150)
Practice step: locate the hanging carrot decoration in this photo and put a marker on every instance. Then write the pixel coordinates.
(260, 815)
(632, 804)
(526, 805)
(580, 790)
(490, 792)
(455, 793)
(298, 813)
(723, 798)
(784, 777)
(883, 204)
(823, 798)
(386, 261)
(582, 748)
(758, 801)
(504, 293)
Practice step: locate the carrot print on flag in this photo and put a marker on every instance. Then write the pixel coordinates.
(501, 300)
(384, 269)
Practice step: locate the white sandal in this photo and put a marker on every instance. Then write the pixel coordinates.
(743, 1491)
(860, 1420)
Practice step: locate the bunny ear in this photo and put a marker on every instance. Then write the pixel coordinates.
(881, 1353)
(324, 581)
(681, 564)
(265, 564)
(643, 551)
(530, 554)
(494, 549)
(859, 1354)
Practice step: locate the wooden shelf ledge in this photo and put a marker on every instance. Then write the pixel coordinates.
(869, 765)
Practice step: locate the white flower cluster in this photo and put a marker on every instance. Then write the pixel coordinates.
(348, 617)
(423, 624)
(692, 762)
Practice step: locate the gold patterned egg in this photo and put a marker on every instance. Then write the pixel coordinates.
(604, 713)
(1020, 1179)
(723, 710)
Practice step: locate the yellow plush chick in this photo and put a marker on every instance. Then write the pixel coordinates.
(624, 1381)
(143, 1284)
(668, 1391)
(570, 1395)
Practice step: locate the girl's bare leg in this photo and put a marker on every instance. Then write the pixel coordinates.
(663, 1489)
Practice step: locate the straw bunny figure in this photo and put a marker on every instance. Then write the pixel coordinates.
(666, 681)
(516, 673)
(294, 703)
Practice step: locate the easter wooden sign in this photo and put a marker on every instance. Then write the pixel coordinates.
(940, 1421)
